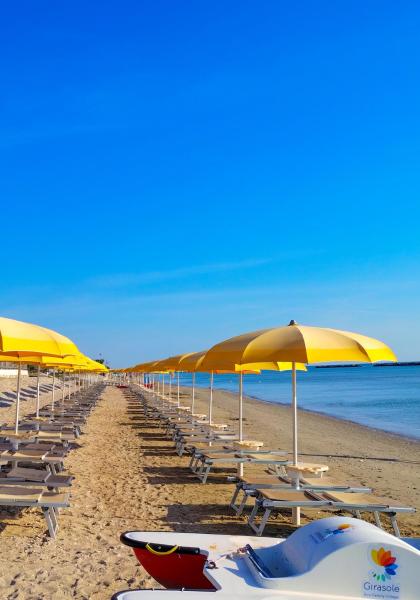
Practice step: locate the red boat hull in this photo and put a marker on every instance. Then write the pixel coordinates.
(174, 567)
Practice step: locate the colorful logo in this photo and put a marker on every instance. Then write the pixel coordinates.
(340, 529)
(385, 566)
(327, 533)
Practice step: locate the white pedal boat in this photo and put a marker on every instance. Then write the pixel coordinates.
(329, 559)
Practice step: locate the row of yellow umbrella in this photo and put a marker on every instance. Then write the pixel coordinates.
(25, 343)
(281, 348)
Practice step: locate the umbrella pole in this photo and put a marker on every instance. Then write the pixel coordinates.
(18, 398)
(178, 388)
(211, 399)
(295, 511)
(170, 387)
(241, 393)
(53, 392)
(193, 393)
(241, 433)
(294, 407)
(63, 391)
(37, 391)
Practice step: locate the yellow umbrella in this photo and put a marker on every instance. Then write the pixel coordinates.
(161, 367)
(172, 364)
(146, 367)
(94, 365)
(20, 339)
(218, 360)
(297, 344)
(68, 363)
(194, 362)
(20, 360)
(191, 364)
(40, 361)
(24, 339)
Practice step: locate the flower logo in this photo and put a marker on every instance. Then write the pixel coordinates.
(341, 528)
(386, 563)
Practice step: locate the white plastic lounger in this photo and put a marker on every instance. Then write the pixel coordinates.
(252, 485)
(28, 476)
(27, 497)
(356, 504)
(226, 451)
(49, 457)
(213, 460)
(188, 444)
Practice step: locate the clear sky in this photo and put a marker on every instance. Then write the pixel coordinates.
(174, 173)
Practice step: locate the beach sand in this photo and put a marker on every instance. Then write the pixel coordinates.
(128, 477)
(28, 395)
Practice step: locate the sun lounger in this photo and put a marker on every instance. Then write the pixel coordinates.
(210, 460)
(28, 497)
(58, 436)
(54, 460)
(28, 476)
(251, 486)
(229, 447)
(187, 443)
(356, 504)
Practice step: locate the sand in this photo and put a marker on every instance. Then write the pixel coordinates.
(27, 395)
(128, 477)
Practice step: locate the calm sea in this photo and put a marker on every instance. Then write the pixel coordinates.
(387, 398)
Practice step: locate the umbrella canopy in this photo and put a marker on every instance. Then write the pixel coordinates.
(297, 344)
(69, 363)
(172, 363)
(192, 362)
(146, 367)
(94, 366)
(20, 339)
(161, 366)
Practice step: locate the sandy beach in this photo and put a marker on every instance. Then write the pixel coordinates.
(27, 395)
(129, 477)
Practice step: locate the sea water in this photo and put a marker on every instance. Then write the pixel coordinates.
(386, 398)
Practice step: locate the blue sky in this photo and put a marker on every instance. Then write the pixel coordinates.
(173, 173)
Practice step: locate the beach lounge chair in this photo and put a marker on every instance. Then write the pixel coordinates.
(55, 460)
(31, 497)
(271, 500)
(189, 443)
(250, 487)
(40, 477)
(276, 460)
